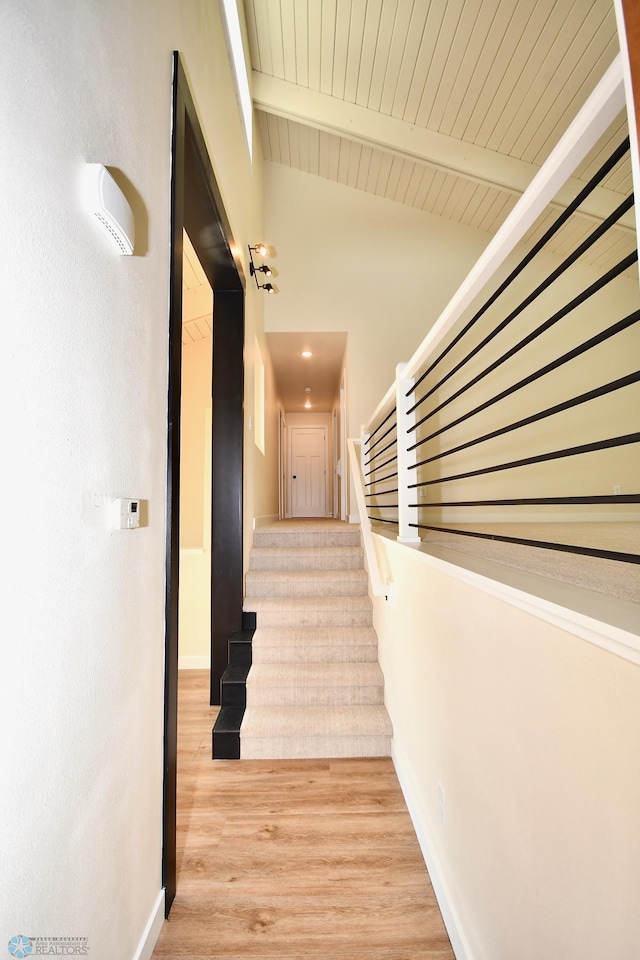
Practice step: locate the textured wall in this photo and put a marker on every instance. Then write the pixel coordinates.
(84, 388)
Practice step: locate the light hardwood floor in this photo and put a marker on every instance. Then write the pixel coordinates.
(293, 859)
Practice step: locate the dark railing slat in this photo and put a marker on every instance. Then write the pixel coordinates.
(529, 501)
(390, 476)
(542, 544)
(600, 174)
(380, 466)
(379, 427)
(541, 458)
(564, 266)
(594, 394)
(380, 452)
(582, 348)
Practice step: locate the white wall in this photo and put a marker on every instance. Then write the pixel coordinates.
(384, 272)
(534, 735)
(84, 388)
(349, 261)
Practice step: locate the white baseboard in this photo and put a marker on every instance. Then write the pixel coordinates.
(152, 930)
(452, 921)
(194, 663)
(262, 521)
(354, 518)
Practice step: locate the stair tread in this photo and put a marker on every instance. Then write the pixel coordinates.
(351, 721)
(316, 674)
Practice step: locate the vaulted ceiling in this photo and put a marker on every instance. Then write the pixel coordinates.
(450, 106)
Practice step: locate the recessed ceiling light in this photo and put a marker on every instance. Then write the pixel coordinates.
(307, 353)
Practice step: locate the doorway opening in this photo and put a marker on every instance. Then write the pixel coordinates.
(197, 208)
(310, 374)
(194, 600)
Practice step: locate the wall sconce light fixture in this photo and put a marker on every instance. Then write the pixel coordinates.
(260, 249)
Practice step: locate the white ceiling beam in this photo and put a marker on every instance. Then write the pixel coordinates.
(373, 129)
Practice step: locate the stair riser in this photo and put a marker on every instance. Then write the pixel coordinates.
(260, 587)
(337, 538)
(289, 561)
(233, 695)
(315, 618)
(302, 748)
(240, 653)
(314, 696)
(299, 654)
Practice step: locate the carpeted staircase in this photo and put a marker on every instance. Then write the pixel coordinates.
(314, 688)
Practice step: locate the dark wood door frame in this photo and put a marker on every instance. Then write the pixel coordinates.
(196, 206)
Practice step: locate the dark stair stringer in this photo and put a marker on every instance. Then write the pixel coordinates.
(233, 693)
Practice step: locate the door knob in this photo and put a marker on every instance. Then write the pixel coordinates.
(294, 477)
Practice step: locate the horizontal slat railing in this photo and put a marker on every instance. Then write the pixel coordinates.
(379, 460)
(525, 394)
(380, 584)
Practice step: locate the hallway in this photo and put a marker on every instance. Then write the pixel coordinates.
(292, 859)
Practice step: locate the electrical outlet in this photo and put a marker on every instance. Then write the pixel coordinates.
(616, 491)
(442, 800)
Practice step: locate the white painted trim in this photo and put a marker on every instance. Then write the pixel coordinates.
(354, 518)
(152, 930)
(606, 622)
(192, 551)
(264, 520)
(194, 663)
(452, 919)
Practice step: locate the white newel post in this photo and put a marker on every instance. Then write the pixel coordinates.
(406, 459)
(364, 440)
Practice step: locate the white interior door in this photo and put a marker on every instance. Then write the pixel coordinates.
(308, 471)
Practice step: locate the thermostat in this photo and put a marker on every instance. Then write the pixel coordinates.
(126, 514)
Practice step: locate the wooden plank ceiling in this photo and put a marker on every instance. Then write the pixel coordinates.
(449, 106)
